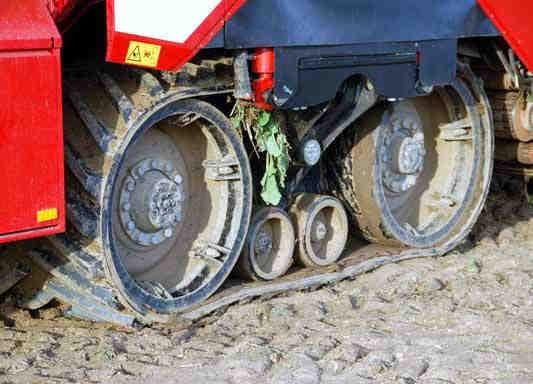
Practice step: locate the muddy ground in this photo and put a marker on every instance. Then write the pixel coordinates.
(463, 318)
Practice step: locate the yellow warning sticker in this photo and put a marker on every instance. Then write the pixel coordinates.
(47, 215)
(143, 54)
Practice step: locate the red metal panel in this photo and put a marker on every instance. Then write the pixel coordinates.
(173, 55)
(513, 19)
(31, 136)
(26, 24)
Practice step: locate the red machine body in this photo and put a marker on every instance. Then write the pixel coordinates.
(513, 19)
(133, 40)
(31, 136)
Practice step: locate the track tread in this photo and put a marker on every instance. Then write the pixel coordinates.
(98, 130)
(90, 181)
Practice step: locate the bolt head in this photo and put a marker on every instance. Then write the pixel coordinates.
(130, 186)
(312, 151)
(168, 233)
(178, 179)
(131, 225)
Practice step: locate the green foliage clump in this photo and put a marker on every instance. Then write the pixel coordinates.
(267, 136)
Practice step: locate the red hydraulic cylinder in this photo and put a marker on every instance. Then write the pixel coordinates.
(263, 66)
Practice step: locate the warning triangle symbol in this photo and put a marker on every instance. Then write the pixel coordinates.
(135, 55)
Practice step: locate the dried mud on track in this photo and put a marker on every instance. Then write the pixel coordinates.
(463, 318)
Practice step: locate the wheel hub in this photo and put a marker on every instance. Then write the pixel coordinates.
(263, 243)
(403, 155)
(165, 206)
(319, 231)
(152, 200)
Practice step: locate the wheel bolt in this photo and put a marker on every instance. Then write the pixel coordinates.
(178, 179)
(168, 233)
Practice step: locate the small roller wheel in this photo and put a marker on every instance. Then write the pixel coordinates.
(322, 227)
(269, 249)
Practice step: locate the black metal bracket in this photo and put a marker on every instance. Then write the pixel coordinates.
(358, 97)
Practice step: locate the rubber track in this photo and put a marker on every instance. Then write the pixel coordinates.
(75, 264)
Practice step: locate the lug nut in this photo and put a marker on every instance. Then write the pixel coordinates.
(168, 233)
(178, 179)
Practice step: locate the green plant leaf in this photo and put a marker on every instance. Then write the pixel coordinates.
(264, 118)
(267, 137)
(271, 194)
(272, 146)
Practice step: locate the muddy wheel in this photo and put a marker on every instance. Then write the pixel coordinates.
(420, 171)
(269, 249)
(322, 228)
(159, 187)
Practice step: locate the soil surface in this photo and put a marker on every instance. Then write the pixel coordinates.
(463, 318)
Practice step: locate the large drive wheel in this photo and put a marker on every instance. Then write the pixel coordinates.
(164, 195)
(420, 171)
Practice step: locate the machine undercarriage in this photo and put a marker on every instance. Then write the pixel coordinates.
(165, 217)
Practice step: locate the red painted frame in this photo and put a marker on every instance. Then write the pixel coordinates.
(513, 19)
(31, 134)
(173, 55)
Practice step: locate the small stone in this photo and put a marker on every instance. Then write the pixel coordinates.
(354, 302)
(434, 285)
(256, 362)
(413, 370)
(335, 366)
(282, 310)
(505, 237)
(474, 266)
(380, 361)
(299, 369)
(324, 346)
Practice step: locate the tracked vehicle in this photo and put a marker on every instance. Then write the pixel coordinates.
(220, 150)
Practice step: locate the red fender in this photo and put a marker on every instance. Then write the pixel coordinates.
(513, 19)
(163, 34)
